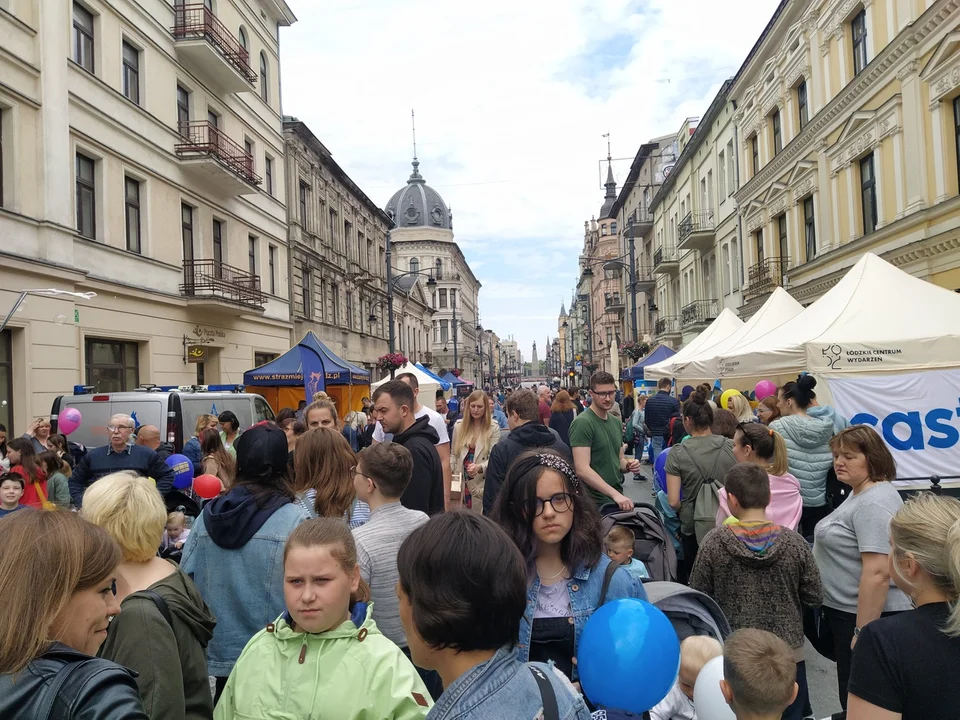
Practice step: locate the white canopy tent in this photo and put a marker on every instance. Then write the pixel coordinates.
(725, 325)
(779, 308)
(428, 386)
(877, 318)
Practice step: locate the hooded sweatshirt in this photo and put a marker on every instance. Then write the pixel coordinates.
(171, 666)
(352, 672)
(785, 506)
(831, 414)
(232, 519)
(762, 575)
(425, 491)
(529, 435)
(808, 454)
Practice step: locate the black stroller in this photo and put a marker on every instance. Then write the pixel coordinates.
(652, 545)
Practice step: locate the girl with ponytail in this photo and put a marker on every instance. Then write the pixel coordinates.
(904, 665)
(758, 444)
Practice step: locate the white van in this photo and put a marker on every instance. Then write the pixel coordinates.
(174, 410)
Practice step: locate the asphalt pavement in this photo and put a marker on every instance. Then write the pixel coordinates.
(821, 673)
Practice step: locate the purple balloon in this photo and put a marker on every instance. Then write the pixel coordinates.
(182, 471)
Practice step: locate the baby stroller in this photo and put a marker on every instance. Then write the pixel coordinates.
(690, 611)
(652, 545)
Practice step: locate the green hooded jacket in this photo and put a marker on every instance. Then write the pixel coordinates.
(352, 672)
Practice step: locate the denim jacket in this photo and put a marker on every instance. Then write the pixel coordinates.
(244, 586)
(584, 588)
(504, 687)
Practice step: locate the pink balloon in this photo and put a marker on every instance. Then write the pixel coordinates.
(69, 421)
(765, 388)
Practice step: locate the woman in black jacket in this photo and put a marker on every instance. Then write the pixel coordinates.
(58, 599)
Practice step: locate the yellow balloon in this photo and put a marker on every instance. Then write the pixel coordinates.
(725, 398)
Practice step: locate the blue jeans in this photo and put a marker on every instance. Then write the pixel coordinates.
(795, 710)
(656, 447)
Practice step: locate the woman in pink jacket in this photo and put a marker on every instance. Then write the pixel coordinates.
(756, 443)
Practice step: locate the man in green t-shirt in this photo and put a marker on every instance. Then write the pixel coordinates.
(596, 437)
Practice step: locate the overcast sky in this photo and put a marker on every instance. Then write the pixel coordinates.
(512, 100)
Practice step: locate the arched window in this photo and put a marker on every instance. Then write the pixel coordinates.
(243, 40)
(414, 265)
(264, 86)
(439, 275)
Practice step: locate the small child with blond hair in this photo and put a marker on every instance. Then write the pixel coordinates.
(619, 544)
(695, 652)
(759, 675)
(176, 531)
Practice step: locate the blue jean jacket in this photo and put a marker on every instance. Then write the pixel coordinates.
(243, 587)
(504, 687)
(584, 588)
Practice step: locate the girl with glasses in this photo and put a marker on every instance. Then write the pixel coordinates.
(554, 522)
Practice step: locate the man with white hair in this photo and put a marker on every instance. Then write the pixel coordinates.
(544, 395)
(116, 456)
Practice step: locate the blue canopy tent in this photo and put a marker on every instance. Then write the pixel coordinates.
(659, 354)
(280, 381)
(455, 381)
(444, 385)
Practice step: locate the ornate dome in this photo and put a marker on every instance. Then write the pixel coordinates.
(418, 205)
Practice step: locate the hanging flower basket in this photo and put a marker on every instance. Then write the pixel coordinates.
(590, 367)
(633, 350)
(391, 362)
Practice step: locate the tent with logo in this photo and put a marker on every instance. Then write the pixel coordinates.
(725, 325)
(280, 381)
(428, 385)
(657, 355)
(779, 309)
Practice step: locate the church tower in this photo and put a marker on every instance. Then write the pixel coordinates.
(563, 326)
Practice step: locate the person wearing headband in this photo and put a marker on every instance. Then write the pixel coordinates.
(551, 518)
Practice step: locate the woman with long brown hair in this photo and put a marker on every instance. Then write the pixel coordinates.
(474, 436)
(216, 460)
(323, 473)
(562, 413)
(58, 599)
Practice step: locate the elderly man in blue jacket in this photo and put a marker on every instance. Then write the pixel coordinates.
(117, 456)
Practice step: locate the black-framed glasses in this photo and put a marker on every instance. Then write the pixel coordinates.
(560, 502)
(606, 394)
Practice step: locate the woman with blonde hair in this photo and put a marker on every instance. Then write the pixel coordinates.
(562, 413)
(323, 474)
(58, 600)
(903, 665)
(192, 448)
(740, 407)
(216, 460)
(474, 436)
(321, 413)
(164, 627)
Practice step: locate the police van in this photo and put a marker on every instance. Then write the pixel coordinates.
(173, 409)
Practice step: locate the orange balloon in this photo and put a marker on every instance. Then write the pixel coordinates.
(207, 486)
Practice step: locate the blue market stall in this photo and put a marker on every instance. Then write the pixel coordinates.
(461, 387)
(444, 385)
(280, 381)
(634, 373)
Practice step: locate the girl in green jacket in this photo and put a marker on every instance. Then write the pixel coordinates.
(325, 656)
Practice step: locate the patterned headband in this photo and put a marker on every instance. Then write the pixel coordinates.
(554, 462)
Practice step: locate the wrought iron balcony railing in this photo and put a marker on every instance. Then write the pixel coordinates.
(202, 138)
(664, 255)
(765, 275)
(666, 325)
(699, 311)
(196, 21)
(216, 280)
(695, 222)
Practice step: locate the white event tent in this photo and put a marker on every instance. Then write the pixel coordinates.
(779, 308)
(725, 325)
(877, 318)
(428, 385)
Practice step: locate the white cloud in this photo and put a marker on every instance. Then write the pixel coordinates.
(512, 99)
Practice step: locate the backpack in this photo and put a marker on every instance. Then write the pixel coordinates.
(706, 502)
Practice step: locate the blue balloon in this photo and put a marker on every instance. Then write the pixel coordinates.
(660, 469)
(182, 471)
(628, 656)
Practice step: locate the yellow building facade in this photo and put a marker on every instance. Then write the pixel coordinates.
(848, 119)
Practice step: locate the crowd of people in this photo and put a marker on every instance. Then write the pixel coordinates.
(410, 562)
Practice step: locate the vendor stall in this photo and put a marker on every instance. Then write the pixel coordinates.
(725, 325)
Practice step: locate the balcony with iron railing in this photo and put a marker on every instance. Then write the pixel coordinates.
(210, 153)
(666, 261)
(613, 303)
(206, 45)
(764, 276)
(666, 327)
(645, 279)
(699, 313)
(210, 282)
(697, 231)
(642, 219)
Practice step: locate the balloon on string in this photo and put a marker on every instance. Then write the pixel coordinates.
(628, 656)
(660, 469)
(764, 389)
(182, 470)
(207, 486)
(707, 695)
(69, 420)
(725, 398)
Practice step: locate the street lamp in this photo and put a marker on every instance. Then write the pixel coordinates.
(431, 281)
(49, 292)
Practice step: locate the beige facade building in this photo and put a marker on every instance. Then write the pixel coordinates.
(338, 245)
(848, 122)
(423, 246)
(142, 160)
